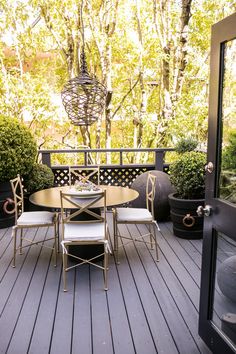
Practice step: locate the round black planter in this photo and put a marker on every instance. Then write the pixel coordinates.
(186, 223)
(6, 220)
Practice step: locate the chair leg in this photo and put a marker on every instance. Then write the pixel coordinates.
(117, 259)
(64, 262)
(14, 234)
(21, 238)
(151, 236)
(115, 230)
(55, 244)
(105, 268)
(156, 245)
(58, 232)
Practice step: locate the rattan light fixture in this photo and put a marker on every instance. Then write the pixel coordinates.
(84, 96)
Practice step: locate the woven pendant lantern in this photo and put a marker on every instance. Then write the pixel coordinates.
(84, 97)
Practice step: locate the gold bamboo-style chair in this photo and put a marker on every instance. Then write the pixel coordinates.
(138, 216)
(84, 226)
(30, 219)
(84, 174)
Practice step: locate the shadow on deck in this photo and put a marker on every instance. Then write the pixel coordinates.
(149, 308)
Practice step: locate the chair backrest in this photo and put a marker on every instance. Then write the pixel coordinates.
(150, 192)
(18, 196)
(84, 174)
(83, 210)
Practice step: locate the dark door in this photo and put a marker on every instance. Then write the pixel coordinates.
(217, 322)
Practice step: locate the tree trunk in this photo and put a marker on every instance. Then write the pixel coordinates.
(174, 59)
(182, 50)
(102, 24)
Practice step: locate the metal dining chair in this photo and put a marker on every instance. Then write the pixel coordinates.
(84, 226)
(128, 215)
(31, 219)
(84, 174)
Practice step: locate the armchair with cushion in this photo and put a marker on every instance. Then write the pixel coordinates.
(138, 216)
(31, 219)
(85, 231)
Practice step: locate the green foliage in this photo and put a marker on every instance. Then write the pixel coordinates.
(229, 153)
(17, 148)
(228, 186)
(227, 178)
(186, 144)
(187, 175)
(40, 177)
(33, 70)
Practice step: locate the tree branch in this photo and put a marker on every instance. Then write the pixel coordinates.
(124, 97)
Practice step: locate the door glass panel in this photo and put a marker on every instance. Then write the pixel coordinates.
(224, 306)
(227, 180)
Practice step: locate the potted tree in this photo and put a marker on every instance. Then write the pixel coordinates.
(18, 152)
(187, 175)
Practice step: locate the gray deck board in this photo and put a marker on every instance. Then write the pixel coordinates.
(181, 314)
(150, 307)
(120, 326)
(82, 324)
(141, 334)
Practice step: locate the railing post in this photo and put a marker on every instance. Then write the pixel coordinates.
(121, 158)
(85, 158)
(159, 160)
(46, 158)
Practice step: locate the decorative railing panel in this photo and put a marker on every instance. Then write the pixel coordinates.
(119, 174)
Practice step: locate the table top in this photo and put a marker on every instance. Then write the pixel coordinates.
(115, 195)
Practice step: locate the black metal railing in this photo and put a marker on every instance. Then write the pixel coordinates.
(121, 170)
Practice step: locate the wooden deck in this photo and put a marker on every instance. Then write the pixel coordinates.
(149, 308)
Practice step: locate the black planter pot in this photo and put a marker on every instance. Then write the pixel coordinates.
(7, 216)
(186, 223)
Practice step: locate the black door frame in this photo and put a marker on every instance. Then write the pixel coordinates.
(222, 212)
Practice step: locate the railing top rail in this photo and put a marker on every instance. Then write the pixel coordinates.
(106, 150)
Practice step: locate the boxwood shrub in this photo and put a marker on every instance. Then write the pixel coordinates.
(40, 177)
(187, 175)
(18, 149)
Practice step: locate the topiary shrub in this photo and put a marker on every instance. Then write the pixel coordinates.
(40, 177)
(186, 144)
(18, 149)
(187, 175)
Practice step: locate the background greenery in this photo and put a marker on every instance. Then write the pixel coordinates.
(127, 47)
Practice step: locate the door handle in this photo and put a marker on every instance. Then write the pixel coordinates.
(201, 211)
(209, 167)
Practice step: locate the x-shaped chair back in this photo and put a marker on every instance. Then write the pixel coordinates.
(150, 193)
(85, 174)
(83, 206)
(18, 196)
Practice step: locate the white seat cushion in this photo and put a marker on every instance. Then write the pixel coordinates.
(82, 232)
(35, 218)
(133, 214)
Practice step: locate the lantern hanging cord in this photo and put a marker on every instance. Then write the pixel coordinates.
(83, 68)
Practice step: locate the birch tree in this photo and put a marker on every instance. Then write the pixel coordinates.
(173, 36)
